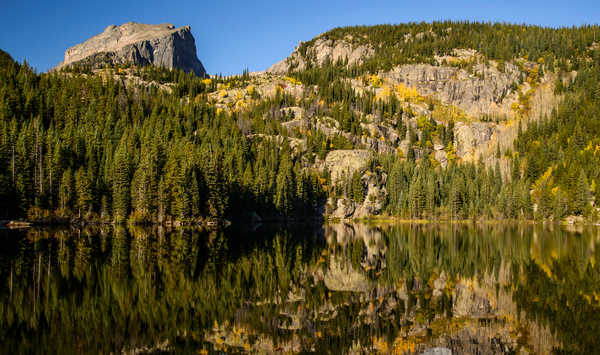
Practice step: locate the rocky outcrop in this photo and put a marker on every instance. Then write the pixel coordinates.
(469, 138)
(322, 51)
(343, 208)
(480, 92)
(340, 162)
(375, 197)
(139, 44)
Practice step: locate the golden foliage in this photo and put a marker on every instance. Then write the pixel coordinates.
(448, 113)
(433, 160)
(292, 81)
(406, 93)
(239, 105)
(399, 152)
(385, 93)
(374, 80)
(450, 153)
(544, 181)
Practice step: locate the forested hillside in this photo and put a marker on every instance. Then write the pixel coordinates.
(75, 146)
(450, 120)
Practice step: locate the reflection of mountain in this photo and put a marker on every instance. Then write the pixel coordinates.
(346, 288)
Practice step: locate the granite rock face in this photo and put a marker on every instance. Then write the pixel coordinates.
(470, 137)
(321, 51)
(340, 162)
(139, 44)
(476, 94)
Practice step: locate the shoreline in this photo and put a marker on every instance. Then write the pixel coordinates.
(401, 220)
(224, 223)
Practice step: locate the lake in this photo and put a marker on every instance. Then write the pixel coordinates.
(338, 289)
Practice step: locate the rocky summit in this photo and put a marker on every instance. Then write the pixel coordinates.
(139, 44)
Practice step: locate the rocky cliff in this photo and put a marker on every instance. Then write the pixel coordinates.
(478, 93)
(139, 44)
(321, 51)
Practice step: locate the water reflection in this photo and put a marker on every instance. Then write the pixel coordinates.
(336, 289)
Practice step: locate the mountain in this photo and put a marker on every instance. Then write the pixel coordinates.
(429, 120)
(139, 44)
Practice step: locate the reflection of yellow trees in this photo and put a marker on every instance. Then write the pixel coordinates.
(380, 345)
(403, 346)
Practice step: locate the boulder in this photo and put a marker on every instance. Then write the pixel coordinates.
(438, 285)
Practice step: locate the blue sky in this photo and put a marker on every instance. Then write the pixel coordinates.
(233, 35)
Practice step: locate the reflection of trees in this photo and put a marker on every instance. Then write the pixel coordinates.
(423, 251)
(566, 297)
(105, 290)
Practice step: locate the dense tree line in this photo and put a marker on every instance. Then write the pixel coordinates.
(398, 44)
(468, 190)
(560, 155)
(90, 147)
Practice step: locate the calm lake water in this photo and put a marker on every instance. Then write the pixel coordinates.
(335, 289)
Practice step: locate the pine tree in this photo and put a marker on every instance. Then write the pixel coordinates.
(581, 197)
(83, 186)
(217, 195)
(358, 191)
(65, 192)
(283, 193)
(121, 181)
